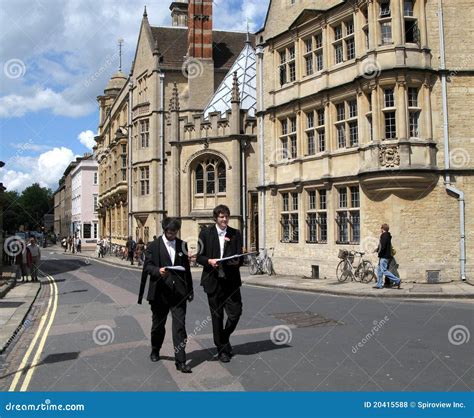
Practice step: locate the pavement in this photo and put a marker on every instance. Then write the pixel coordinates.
(16, 298)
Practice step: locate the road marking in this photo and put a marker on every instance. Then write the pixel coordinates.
(31, 347)
(34, 363)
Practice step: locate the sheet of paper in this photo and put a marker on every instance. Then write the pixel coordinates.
(176, 268)
(234, 256)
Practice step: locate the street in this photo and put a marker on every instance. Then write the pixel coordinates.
(86, 332)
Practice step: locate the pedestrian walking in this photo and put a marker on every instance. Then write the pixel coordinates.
(130, 247)
(384, 251)
(33, 258)
(140, 252)
(22, 264)
(221, 280)
(171, 287)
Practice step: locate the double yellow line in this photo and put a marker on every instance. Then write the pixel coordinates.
(43, 331)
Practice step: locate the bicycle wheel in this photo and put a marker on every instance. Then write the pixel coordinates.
(343, 271)
(268, 266)
(253, 265)
(367, 273)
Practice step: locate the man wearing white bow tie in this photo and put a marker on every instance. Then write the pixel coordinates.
(221, 280)
(171, 286)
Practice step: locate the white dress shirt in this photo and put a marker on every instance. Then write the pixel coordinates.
(171, 247)
(221, 234)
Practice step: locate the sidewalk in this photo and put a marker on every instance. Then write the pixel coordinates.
(451, 290)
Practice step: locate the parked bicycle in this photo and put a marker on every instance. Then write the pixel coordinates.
(363, 271)
(261, 263)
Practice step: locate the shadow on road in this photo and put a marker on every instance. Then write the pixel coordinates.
(247, 349)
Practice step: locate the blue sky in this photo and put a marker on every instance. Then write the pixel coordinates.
(57, 56)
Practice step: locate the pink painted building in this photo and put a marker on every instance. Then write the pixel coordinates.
(84, 199)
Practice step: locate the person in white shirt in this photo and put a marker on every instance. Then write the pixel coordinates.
(33, 258)
(171, 287)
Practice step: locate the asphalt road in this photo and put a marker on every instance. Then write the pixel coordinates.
(86, 332)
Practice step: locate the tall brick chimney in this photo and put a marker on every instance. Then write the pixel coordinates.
(200, 63)
(200, 29)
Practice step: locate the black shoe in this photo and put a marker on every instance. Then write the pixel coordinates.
(155, 356)
(399, 283)
(376, 287)
(182, 367)
(224, 358)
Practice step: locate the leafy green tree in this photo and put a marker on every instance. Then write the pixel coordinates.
(27, 209)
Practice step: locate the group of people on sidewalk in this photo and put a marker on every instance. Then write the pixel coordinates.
(72, 244)
(171, 287)
(27, 261)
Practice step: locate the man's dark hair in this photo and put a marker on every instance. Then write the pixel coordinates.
(385, 227)
(220, 209)
(173, 224)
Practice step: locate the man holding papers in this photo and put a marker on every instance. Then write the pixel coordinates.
(221, 278)
(171, 286)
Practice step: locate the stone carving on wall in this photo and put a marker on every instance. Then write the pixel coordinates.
(389, 156)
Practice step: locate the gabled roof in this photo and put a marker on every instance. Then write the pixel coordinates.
(246, 67)
(173, 46)
(304, 16)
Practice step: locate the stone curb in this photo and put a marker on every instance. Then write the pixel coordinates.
(9, 330)
(365, 295)
(323, 291)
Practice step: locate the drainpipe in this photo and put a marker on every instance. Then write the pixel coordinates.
(243, 176)
(162, 146)
(261, 132)
(130, 158)
(447, 164)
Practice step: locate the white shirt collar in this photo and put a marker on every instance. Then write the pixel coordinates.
(221, 231)
(167, 242)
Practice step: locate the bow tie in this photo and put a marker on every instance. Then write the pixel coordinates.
(222, 233)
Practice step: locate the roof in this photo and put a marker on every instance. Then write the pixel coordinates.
(173, 46)
(246, 67)
(117, 81)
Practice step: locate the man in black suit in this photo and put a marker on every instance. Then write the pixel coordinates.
(169, 290)
(221, 281)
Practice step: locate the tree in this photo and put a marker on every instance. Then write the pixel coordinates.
(11, 211)
(27, 209)
(36, 201)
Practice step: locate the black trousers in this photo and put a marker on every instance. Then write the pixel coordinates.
(229, 300)
(160, 308)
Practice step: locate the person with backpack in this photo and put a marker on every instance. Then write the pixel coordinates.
(384, 251)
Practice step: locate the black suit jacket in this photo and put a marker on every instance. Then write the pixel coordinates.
(178, 285)
(209, 240)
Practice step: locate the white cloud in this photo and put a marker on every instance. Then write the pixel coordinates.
(87, 138)
(15, 105)
(46, 169)
(65, 46)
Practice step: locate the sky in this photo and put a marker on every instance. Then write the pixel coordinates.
(56, 57)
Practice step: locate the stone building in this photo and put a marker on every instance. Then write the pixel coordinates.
(351, 120)
(60, 227)
(175, 137)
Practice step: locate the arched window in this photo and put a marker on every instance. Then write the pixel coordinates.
(210, 177)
